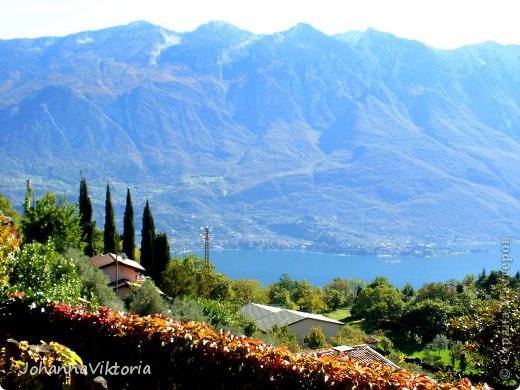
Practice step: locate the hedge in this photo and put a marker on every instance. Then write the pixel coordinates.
(192, 355)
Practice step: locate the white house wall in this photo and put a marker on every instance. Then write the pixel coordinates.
(301, 328)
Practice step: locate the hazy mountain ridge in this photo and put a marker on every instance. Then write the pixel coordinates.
(372, 135)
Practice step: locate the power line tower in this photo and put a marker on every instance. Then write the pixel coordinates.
(206, 245)
(206, 286)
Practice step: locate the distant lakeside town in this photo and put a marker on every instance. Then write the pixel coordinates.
(416, 249)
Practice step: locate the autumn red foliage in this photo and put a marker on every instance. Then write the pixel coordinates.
(192, 355)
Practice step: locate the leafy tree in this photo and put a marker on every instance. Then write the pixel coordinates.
(110, 234)
(7, 209)
(378, 303)
(341, 292)
(85, 214)
(280, 296)
(161, 253)
(219, 313)
(487, 282)
(248, 290)
(52, 220)
(308, 298)
(493, 332)
(183, 277)
(94, 282)
(191, 277)
(408, 292)
(315, 338)
(287, 283)
(146, 299)
(466, 301)
(218, 286)
(445, 292)
(427, 317)
(147, 239)
(45, 275)
(129, 230)
(297, 295)
(334, 299)
(349, 335)
(284, 337)
(379, 281)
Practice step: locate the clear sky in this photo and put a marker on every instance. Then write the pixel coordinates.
(440, 23)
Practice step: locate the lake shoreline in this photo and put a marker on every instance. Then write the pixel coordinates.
(321, 268)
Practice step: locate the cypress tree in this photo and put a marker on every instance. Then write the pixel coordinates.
(161, 253)
(129, 230)
(28, 196)
(85, 214)
(110, 233)
(147, 239)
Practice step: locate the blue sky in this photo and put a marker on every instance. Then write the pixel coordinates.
(441, 23)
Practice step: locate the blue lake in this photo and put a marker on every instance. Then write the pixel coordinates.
(321, 268)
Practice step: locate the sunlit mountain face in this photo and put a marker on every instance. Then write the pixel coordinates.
(285, 138)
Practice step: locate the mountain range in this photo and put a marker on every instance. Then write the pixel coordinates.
(291, 138)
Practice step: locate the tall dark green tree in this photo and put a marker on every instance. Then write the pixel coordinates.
(161, 253)
(129, 230)
(110, 233)
(28, 196)
(85, 215)
(147, 239)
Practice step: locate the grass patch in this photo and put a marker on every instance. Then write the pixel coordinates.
(342, 314)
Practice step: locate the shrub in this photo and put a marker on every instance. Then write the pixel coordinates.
(187, 309)
(349, 335)
(315, 338)
(146, 299)
(283, 336)
(43, 274)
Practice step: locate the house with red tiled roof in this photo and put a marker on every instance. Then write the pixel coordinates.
(361, 353)
(122, 272)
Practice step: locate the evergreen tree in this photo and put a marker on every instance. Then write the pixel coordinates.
(147, 239)
(110, 233)
(85, 214)
(28, 197)
(161, 252)
(129, 230)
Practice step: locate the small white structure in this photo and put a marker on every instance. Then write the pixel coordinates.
(121, 272)
(300, 323)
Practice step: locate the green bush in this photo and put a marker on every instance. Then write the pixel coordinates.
(146, 299)
(187, 309)
(315, 338)
(45, 275)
